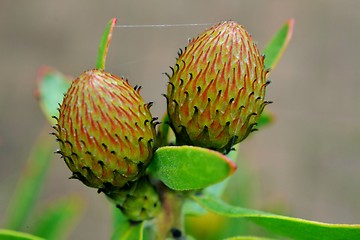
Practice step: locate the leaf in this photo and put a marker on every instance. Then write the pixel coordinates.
(58, 219)
(118, 218)
(219, 188)
(31, 181)
(129, 231)
(189, 168)
(192, 208)
(247, 238)
(265, 119)
(52, 85)
(277, 45)
(123, 229)
(6, 234)
(104, 44)
(295, 228)
(189, 237)
(240, 191)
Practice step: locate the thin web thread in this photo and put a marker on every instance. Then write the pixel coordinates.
(164, 25)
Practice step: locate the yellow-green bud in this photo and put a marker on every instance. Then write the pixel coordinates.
(217, 90)
(105, 130)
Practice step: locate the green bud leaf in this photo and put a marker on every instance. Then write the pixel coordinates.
(296, 228)
(189, 168)
(192, 208)
(265, 119)
(277, 45)
(14, 235)
(129, 230)
(52, 85)
(248, 238)
(104, 44)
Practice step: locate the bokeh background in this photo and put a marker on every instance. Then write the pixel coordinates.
(307, 161)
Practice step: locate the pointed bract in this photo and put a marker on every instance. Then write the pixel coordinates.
(216, 92)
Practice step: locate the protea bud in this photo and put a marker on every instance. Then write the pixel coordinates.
(105, 130)
(216, 92)
(138, 200)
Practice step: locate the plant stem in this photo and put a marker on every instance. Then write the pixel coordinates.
(169, 223)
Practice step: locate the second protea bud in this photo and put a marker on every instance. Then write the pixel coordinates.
(105, 130)
(138, 200)
(216, 92)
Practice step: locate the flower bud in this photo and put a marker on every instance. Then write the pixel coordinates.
(105, 130)
(216, 92)
(138, 200)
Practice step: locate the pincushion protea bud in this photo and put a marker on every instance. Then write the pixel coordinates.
(216, 92)
(138, 200)
(105, 130)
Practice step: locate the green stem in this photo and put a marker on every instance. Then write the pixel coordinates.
(104, 44)
(170, 221)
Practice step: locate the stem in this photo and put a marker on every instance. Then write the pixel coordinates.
(169, 223)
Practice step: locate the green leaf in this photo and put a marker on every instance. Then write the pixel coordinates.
(52, 85)
(6, 234)
(276, 47)
(219, 188)
(58, 219)
(247, 238)
(31, 181)
(104, 44)
(295, 228)
(265, 119)
(189, 168)
(188, 237)
(118, 217)
(192, 208)
(128, 231)
(239, 192)
(123, 229)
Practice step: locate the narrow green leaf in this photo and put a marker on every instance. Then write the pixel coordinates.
(192, 208)
(188, 237)
(6, 234)
(104, 44)
(248, 238)
(277, 45)
(52, 85)
(239, 192)
(31, 181)
(118, 218)
(295, 228)
(57, 220)
(128, 231)
(189, 168)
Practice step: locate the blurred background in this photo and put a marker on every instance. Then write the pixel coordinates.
(307, 162)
